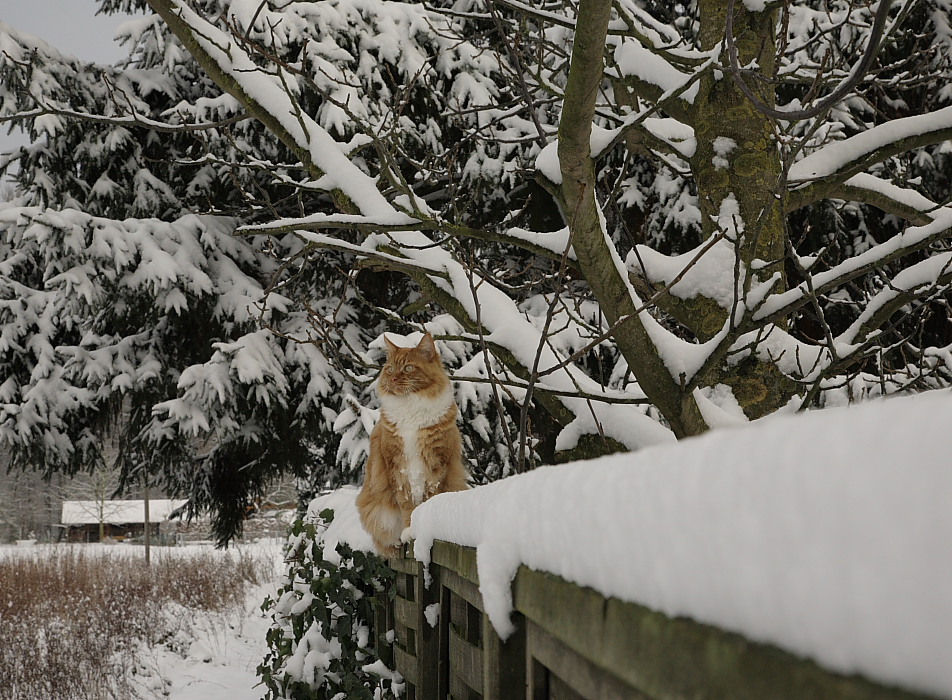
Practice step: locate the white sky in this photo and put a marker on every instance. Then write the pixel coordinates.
(71, 25)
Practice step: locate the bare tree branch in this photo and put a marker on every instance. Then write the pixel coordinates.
(859, 71)
(134, 120)
(595, 254)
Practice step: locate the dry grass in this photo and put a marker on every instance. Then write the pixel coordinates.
(72, 618)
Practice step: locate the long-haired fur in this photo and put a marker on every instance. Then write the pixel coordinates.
(415, 448)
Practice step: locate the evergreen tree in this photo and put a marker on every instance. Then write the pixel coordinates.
(224, 360)
(624, 224)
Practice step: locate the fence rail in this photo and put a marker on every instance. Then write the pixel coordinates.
(572, 643)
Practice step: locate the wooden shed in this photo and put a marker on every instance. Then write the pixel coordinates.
(120, 519)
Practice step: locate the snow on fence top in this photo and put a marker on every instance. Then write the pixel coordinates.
(828, 534)
(117, 512)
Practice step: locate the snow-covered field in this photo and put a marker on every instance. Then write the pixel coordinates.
(203, 654)
(220, 663)
(219, 659)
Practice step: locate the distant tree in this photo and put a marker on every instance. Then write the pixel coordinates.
(28, 505)
(614, 244)
(95, 493)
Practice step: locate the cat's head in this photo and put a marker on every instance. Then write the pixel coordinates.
(413, 370)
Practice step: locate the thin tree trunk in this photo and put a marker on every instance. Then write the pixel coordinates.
(148, 534)
(596, 255)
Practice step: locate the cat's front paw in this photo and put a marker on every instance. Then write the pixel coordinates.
(407, 534)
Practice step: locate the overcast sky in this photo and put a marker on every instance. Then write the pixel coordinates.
(70, 25)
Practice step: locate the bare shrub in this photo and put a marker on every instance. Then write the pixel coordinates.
(71, 618)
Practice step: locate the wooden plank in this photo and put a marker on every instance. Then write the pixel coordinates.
(504, 663)
(560, 690)
(666, 658)
(403, 564)
(407, 613)
(456, 558)
(404, 586)
(569, 676)
(474, 625)
(460, 691)
(443, 627)
(572, 614)
(410, 642)
(404, 637)
(383, 622)
(406, 664)
(428, 637)
(537, 678)
(466, 662)
(464, 588)
(458, 616)
(595, 647)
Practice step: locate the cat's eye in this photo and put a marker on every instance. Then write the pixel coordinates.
(389, 369)
(409, 368)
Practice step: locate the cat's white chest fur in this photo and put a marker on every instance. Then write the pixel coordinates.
(410, 414)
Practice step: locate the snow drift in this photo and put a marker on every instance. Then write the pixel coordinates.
(828, 534)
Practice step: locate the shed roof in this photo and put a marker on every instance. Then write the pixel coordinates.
(118, 512)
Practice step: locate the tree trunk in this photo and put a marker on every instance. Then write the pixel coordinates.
(596, 256)
(738, 160)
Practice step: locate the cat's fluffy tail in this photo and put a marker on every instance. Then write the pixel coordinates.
(383, 521)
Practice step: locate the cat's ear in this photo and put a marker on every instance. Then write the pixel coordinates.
(390, 346)
(428, 347)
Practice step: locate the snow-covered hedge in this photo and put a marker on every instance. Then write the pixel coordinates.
(320, 643)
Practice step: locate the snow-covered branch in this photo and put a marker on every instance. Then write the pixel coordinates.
(653, 79)
(595, 252)
(914, 239)
(267, 100)
(837, 161)
(133, 120)
(902, 202)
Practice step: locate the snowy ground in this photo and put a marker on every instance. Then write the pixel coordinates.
(219, 661)
(213, 655)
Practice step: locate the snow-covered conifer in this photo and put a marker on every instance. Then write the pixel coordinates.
(624, 223)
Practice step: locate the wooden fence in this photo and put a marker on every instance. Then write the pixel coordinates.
(572, 643)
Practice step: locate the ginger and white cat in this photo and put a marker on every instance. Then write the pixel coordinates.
(415, 448)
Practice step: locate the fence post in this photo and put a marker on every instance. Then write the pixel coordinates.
(504, 662)
(383, 623)
(428, 636)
